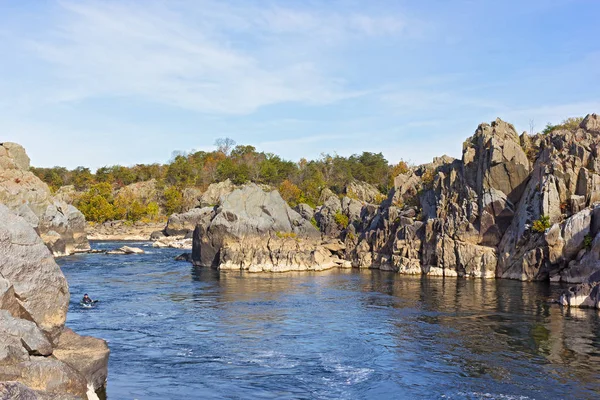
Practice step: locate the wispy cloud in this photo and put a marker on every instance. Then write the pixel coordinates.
(222, 61)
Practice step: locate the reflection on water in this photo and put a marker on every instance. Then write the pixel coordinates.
(182, 332)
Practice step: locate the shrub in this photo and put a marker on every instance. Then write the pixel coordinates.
(341, 219)
(290, 193)
(152, 210)
(569, 124)
(541, 224)
(97, 203)
(96, 208)
(427, 178)
(350, 194)
(285, 235)
(380, 198)
(314, 222)
(587, 241)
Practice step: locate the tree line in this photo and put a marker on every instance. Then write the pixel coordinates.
(298, 182)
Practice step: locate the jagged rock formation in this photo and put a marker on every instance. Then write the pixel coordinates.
(256, 230)
(363, 191)
(61, 226)
(477, 214)
(483, 215)
(36, 349)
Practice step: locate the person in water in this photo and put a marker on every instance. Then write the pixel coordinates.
(86, 299)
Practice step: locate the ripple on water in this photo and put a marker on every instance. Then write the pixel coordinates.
(181, 332)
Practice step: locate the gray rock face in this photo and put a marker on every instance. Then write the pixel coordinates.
(493, 159)
(185, 223)
(591, 123)
(191, 198)
(42, 357)
(214, 192)
(244, 215)
(26, 262)
(477, 214)
(61, 225)
(585, 295)
(13, 156)
(326, 214)
(63, 229)
(24, 333)
(364, 192)
(305, 211)
(86, 354)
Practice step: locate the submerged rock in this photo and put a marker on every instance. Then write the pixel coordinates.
(184, 257)
(176, 242)
(127, 250)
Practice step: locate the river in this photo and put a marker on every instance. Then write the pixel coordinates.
(180, 332)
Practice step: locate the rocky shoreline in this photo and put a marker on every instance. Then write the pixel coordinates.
(123, 230)
(39, 356)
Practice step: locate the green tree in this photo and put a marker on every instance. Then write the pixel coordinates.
(173, 200)
(82, 178)
(180, 173)
(97, 203)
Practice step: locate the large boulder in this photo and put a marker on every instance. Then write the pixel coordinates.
(43, 358)
(63, 229)
(61, 225)
(212, 196)
(247, 220)
(85, 354)
(39, 285)
(184, 224)
(13, 156)
(190, 198)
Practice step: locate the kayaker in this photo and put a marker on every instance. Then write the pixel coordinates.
(86, 299)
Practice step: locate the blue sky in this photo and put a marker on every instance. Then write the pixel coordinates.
(104, 82)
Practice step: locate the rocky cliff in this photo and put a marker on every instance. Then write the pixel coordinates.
(61, 226)
(519, 207)
(514, 206)
(39, 356)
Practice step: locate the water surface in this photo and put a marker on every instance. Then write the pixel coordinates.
(179, 332)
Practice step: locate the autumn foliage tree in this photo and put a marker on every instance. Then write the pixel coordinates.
(297, 182)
